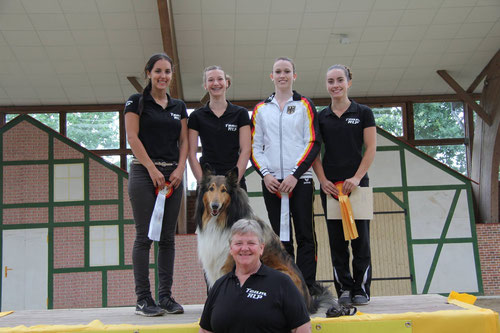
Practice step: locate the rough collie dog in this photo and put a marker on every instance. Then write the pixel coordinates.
(220, 203)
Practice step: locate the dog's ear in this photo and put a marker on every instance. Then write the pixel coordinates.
(232, 176)
(207, 170)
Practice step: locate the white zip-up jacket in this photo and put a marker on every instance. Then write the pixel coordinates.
(285, 141)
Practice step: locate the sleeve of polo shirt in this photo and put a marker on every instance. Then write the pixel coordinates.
(312, 140)
(184, 113)
(293, 305)
(132, 104)
(258, 158)
(206, 315)
(243, 118)
(193, 122)
(368, 118)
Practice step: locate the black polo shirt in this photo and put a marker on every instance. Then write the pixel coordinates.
(267, 302)
(220, 137)
(343, 140)
(159, 128)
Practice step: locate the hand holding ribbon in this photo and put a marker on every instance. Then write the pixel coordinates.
(348, 224)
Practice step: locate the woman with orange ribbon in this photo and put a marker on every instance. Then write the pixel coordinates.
(156, 126)
(346, 127)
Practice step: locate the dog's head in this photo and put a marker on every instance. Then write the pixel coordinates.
(216, 194)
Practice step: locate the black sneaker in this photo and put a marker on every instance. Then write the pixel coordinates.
(345, 298)
(170, 305)
(360, 300)
(147, 307)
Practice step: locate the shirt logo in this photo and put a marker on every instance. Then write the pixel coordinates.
(290, 109)
(255, 294)
(128, 103)
(176, 116)
(352, 121)
(231, 127)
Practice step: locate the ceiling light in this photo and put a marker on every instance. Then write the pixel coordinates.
(344, 39)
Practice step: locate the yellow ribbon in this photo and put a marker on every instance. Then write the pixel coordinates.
(348, 224)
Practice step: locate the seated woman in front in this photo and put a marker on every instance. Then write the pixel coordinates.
(253, 297)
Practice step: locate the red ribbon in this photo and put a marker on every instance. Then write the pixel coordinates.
(170, 190)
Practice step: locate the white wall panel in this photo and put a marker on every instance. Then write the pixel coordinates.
(385, 170)
(456, 270)
(421, 173)
(422, 256)
(428, 212)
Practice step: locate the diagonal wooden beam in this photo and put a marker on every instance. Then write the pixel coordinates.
(133, 80)
(169, 44)
(480, 77)
(465, 97)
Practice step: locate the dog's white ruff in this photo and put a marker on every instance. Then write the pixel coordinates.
(213, 249)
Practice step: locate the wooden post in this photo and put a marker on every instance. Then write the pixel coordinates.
(486, 149)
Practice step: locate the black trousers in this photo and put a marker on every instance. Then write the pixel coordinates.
(142, 198)
(301, 212)
(359, 282)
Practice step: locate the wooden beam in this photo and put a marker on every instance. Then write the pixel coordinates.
(169, 44)
(438, 142)
(62, 123)
(123, 141)
(469, 136)
(104, 152)
(481, 75)
(61, 108)
(409, 122)
(380, 101)
(133, 80)
(464, 96)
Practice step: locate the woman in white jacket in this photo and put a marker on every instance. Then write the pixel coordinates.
(285, 142)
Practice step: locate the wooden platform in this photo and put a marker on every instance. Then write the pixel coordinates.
(387, 305)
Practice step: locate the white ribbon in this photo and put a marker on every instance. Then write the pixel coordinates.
(285, 218)
(157, 217)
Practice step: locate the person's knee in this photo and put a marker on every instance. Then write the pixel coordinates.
(142, 243)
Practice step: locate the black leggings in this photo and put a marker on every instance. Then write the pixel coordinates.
(301, 213)
(360, 280)
(142, 198)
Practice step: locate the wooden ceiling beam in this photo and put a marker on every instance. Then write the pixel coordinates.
(480, 77)
(133, 80)
(170, 45)
(464, 96)
(61, 108)
(375, 101)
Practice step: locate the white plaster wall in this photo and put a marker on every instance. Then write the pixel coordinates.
(428, 212)
(422, 258)
(382, 141)
(456, 270)
(386, 170)
(460, 226)
(421, 172)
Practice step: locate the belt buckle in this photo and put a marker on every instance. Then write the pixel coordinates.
(165, 164)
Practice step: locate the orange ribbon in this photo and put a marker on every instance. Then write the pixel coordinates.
(170, 190)
(348, 224)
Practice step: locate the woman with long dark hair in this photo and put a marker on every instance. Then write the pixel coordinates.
(346, 128)
(156, 126)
